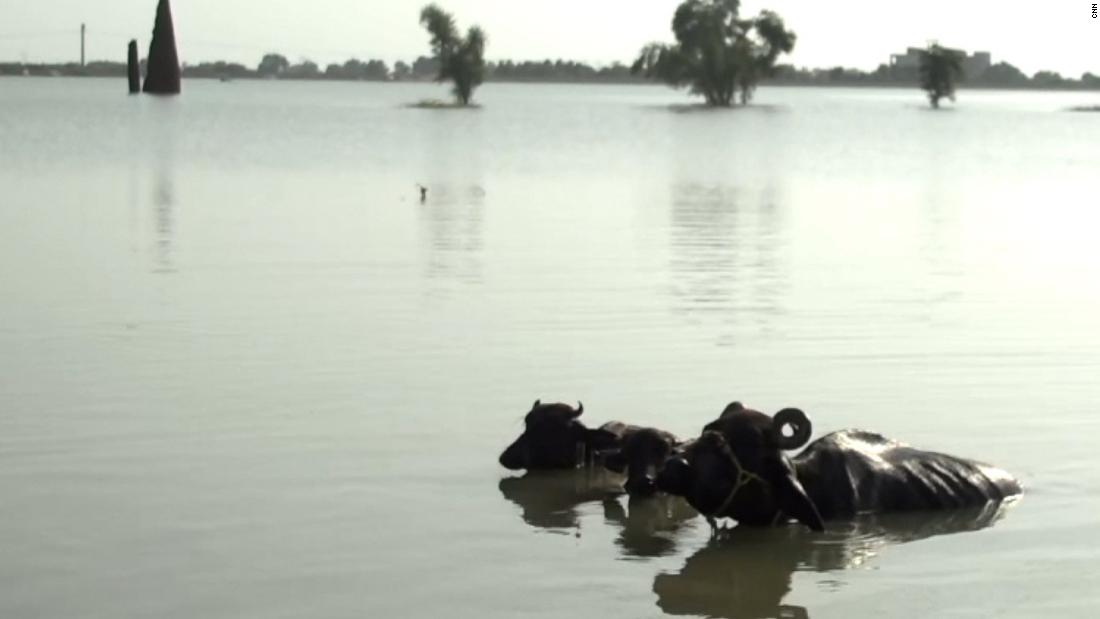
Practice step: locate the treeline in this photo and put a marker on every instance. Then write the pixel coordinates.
(275, 66)
(1000, 75)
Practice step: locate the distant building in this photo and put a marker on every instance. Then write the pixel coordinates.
(973, 64)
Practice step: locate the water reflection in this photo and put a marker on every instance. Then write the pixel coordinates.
(453, 218)
(724, 262)
(163, 207)
(550, 498)
(650, 526)
(160, 151)
(746, 573)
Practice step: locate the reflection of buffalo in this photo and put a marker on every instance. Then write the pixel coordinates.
(738, 469)
(650, 525)
(550, 499)
(745, 572)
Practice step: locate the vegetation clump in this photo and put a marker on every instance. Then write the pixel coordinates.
(461, 59)
(717, 54)
(939, 69)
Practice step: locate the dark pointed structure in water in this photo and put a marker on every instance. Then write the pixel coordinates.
(162, 75)
(133, 68)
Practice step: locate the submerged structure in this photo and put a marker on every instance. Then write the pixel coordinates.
(162, 75)
(133, 68)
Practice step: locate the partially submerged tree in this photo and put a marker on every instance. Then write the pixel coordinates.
(939, 69)
(716, 53)
(461, 60)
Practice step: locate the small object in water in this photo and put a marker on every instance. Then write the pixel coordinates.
(423, 192)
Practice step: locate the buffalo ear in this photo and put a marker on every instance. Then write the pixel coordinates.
(537, 404)
(792, 498)
(615, 461)
(599, 439)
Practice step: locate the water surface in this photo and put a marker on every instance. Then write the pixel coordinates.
(246, 373)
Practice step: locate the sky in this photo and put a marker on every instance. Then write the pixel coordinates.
(1058, 35)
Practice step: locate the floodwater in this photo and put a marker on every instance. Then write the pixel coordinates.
(245, 373)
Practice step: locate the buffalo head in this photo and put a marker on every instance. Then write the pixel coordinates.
(554, 438)
(737, 469)
(643, 454)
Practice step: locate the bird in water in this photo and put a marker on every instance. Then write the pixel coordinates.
(423, 193)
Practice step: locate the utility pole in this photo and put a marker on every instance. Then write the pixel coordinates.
(83, 28)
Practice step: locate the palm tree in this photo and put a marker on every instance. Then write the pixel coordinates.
(939, 68)
(461, 60)
(716, 54)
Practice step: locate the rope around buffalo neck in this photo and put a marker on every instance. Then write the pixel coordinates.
(744, 477)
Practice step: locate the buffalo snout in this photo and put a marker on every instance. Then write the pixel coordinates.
(515, 457)
(641, 486)
(675, 477)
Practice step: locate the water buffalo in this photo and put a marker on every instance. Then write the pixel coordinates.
(737, 469)
(555, 438)
(642, 454)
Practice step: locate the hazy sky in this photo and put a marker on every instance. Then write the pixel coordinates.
(1059, 34)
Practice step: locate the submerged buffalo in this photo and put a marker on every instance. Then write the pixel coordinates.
(737, 469)
(555, 438)
(641, 456)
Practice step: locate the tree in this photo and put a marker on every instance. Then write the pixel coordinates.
(1004, 74)
(401, 71)
(939, 68)
(424, 68)
(273, 65)
(717, 54)
(461, 60)
(376, 70)
(1048, 79)
(305, 70)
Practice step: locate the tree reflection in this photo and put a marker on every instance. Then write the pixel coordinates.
(745, 573)
(725, 263)
(163, 206)
(454, 218)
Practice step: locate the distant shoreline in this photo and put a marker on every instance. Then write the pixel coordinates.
(423, 70)
(772, 82)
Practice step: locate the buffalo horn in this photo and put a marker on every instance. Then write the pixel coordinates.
(801, 428)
